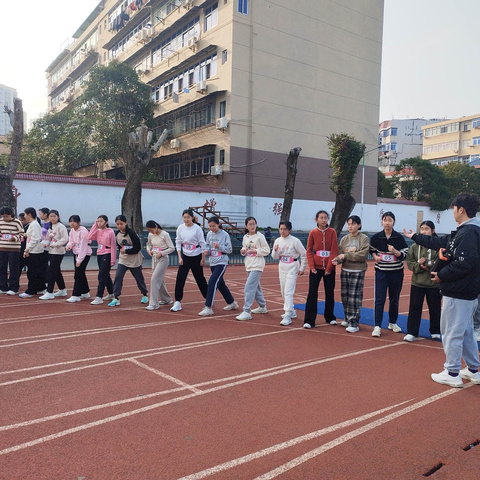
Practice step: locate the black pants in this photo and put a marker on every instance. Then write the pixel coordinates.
(10, 280)
(434, 302)
(54, 273)
(193, 264)
(104, 279)
(80, 282)
(36, 273)
(137, 275)
(312, 298)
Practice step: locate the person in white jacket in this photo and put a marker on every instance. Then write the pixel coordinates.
(254, 248)
(292, 258)
(55, 240)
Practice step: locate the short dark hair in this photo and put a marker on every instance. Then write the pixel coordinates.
(355, 219)
(74, 218)
(44, 210)
(104, 218)
(122, 218)
(7, 211)
(389, 214)
(30, 211)
(153, 224)
(287, 224)
(21, 216)
(469, 201)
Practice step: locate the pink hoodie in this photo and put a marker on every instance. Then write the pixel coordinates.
(105, 238)
(78, 242)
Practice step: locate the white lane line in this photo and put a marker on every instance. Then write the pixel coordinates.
(165, 376)
(354, 433)
(180, 399)
(284, 445)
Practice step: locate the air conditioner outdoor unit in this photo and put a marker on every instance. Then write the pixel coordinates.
(216, 170)
(187, 3)
(192, 41)
(202, 86)
(221, 123)
(175, 143)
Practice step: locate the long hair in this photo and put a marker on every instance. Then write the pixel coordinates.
(55, 212)
(153, 224)
(104, 217)
(74, 218)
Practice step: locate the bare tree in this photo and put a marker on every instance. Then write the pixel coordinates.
(290, 183)
(7, 174)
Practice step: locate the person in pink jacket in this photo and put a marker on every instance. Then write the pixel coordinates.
(106, 257)
(78, 242)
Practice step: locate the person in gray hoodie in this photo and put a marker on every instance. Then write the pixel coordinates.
(459, 281)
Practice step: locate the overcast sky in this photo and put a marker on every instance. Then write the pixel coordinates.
(430, 67)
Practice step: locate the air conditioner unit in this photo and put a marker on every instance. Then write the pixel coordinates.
(202, 86)
(221, 123)
(150, 32)
(187, 3)
(175, 143)
(216, 170)
(192, 41)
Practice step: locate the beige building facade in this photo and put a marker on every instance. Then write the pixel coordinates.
(238, 83)
(455, 140)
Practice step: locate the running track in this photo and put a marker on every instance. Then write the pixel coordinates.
(98, 393)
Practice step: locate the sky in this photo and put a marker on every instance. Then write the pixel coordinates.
(430, 66)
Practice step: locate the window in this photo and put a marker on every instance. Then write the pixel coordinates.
(187, 164)
(243, 6)
(393, 131)
(476, 123)
(224, 56)
(223, 109)
(476, 141)
(211, 17)
(222, 157)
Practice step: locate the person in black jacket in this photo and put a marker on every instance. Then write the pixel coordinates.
(459, 281)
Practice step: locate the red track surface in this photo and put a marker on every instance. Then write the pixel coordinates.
(103, 393)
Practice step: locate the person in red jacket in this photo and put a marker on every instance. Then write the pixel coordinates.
(322, 248)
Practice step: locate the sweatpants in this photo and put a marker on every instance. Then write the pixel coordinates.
(104, 279)
(158, 289)
(80, 282)
(392, 282)
(137, 275)
(352, 295)
(193, 264)
(476, 316)
(288, 273)
(216, 282)
(458, 337)
(54, 273)
(36, 273)
(434, 302)
(253, 290)
(10, 271)
(312, 298)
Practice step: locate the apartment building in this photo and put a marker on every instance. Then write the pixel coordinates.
(238, 83)
(7, 94)
(455, 140)
(399, 139)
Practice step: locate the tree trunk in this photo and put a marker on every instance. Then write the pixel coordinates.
(344, 204)
(290, 183)
(8, 175)
(132, 196)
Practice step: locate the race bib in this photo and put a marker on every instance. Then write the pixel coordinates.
(285, 259)
(251, 254)
(28, 240)
(323, 253)
(387, 257)
(6, 236)
(156, 249)
(189, 247)
(215, 253)
(127, 247)
(100, 246)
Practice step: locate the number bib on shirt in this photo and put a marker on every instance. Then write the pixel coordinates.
(323, 253)
(189, 247)
(156, 249)
(387, 257)
(127, 247)
(285, 259)
(251, 254)
(6, 236)
(215, 253)
(100, 246)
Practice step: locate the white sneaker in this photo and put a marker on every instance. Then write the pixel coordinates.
(468, 375)
(377, 331)
(47, 296)
(164, 302)
(73, 299)
(260, 310)
(410, 338)
(292, 315)
(352, 329)
(333, 322)
(394, 327)
(206, 312)
(286, 320)
(152, 307)
(11, 292)
(25, 295)
(110, 296)
(3, 291)
(307, 325)
(84, 296)
(232, 306)
(244, 316)
(61, 293)
(344, 323)
(97, 301)
(477, 334)
(437, 336)
(177, 306)
(446, 379)
(43, 292)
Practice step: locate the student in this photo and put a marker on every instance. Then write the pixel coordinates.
(23, 243)
(11, 235)
(322, 248)
(388, 248)
(254, 248)
(353, 253)
(419, 261)
(78, 242)
(43, 220)
(106, 257)
(34, 255)
(130, 258)
(159, 246)
(191, 250)
(459, 282)
(55, 240)
(219, 246)
(293, 261)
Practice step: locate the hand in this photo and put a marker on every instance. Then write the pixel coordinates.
(122, 250)
(202, 262)
(78, 264)
(180, 261)
(391, 249)
(26, 254)
(313, 270)
(376, 257)
(159, 255)
(408, 233)
(216, 245)
(434, 277)
(276, 247)
(421, 261)
(67, 248)
(301, 273)
(335, 261)
(243, 252)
